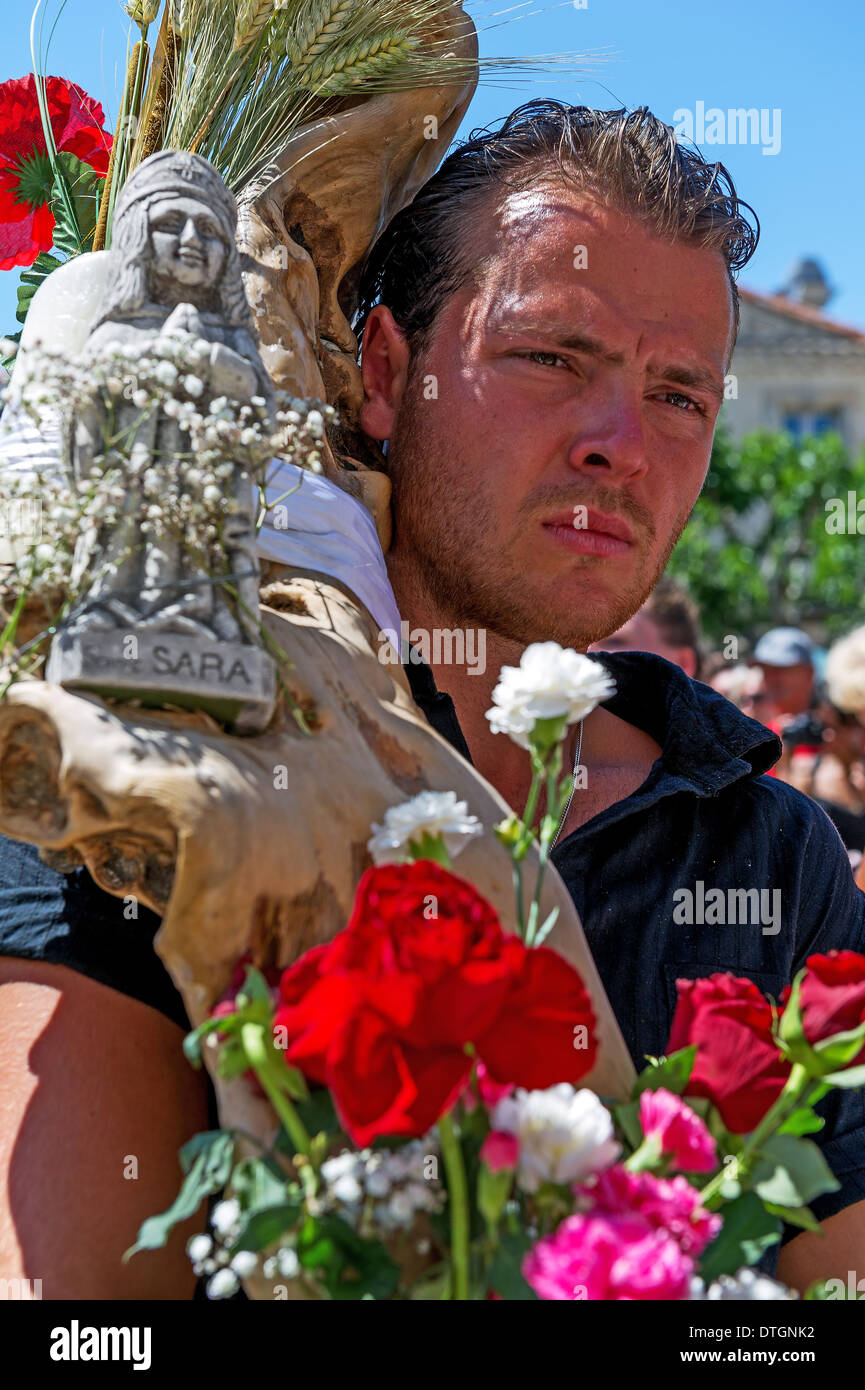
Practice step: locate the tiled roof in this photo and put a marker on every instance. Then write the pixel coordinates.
(802, 313)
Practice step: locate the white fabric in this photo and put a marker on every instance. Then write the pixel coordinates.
(317, 527)
(322, 528)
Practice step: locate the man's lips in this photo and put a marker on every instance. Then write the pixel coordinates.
(597, 533)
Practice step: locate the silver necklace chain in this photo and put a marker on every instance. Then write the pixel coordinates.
(564, 815)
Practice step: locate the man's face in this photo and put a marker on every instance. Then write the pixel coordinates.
(641, 634)
(790, 688)
(549, 445)
(188, 245)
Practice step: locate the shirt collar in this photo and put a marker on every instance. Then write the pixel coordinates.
(707, 743)
(706, 740)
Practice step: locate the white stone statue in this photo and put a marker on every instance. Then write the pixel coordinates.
(162, 614)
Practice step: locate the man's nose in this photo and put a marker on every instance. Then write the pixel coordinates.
(609, 437)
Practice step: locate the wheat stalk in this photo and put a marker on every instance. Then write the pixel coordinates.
(252, 16)
(249, 72)
(311, 36)
(363, 59)
(181, 13)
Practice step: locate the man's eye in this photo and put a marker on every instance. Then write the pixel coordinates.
(536, 353)
(683, 402)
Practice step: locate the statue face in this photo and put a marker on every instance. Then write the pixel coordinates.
(188, 244)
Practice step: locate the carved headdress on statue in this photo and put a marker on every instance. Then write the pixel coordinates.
(171, 174)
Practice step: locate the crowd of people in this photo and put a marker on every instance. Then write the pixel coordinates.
(811, 697)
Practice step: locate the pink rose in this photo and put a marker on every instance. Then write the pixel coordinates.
(638, 1239)
(680, 1133)
(500, 1150)
(601, 1257)
(666, 1204)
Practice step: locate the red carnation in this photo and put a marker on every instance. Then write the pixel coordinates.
(26, 219)
(832, 997)
(383, 1013)
(738, 1065)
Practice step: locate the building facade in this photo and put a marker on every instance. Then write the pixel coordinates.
(795, 368)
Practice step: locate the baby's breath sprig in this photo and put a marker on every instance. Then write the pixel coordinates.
(188, 493)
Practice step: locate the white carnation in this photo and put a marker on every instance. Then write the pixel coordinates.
(550, 682)
(564, 1134)
(429, 813)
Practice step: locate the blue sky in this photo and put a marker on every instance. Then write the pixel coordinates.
(791, 56)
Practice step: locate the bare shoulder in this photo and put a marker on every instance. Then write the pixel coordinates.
(96, 1097)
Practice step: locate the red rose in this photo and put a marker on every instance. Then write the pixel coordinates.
(738, 1065)
(383, 1013)
(26, 219)
(832, 997)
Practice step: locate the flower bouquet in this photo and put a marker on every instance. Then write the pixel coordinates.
(431, 1138)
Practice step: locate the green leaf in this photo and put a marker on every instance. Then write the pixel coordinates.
(627, 1117)
(266, 1225)
(747, 1231)
(790, 1028)
(847, 1080)
(192, 1041)
(31, 279)
(75, 214)
(259, 1183)
(34, 179)
(254, 990)
(430, 847)
(318, 1115)
(493, 1190)
(795, 1216)
(506, 1276)
(349, 1266)
(842, 1039)
(208, 1142)
(206, 1161)
(801, 1121)
(791, 1172)
(823, 1290)
(673, 1073)
(546, 927)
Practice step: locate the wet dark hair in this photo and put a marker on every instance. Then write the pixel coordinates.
(628, 159)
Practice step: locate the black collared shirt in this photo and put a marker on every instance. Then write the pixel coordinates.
(641, 872)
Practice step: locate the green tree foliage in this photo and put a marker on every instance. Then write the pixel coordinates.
(777, 537)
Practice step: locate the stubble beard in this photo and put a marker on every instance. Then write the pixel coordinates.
(447, 557)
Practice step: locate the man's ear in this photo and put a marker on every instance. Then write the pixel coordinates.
(384, 368)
